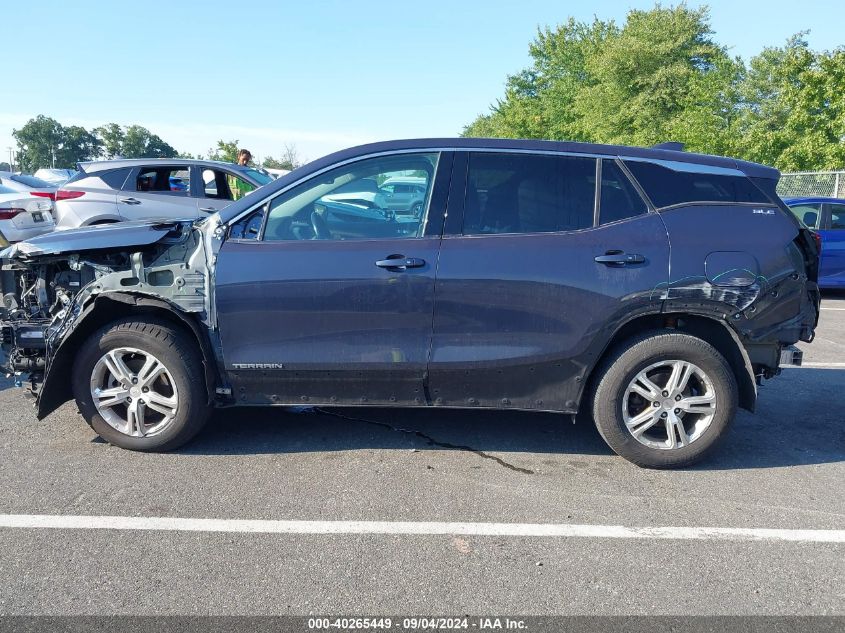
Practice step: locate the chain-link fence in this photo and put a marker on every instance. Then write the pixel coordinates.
(830, 184)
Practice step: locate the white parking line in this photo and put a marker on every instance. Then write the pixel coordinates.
(822, 365)
(834, 309)
(417, 528)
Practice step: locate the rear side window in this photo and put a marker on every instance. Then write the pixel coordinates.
(668, 183)
(175, 180)
(116, 177)
(619, 200)
(837, 216)
(524, 193)
(809, 214)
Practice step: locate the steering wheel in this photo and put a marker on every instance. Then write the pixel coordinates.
(321, 228)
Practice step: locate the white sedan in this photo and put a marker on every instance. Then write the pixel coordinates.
(23, 216)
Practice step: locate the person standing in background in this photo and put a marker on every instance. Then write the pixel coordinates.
(238, 186)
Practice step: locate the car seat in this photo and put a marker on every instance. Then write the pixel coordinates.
(810, 218)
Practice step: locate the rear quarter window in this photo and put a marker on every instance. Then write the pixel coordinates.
(116, 177)
(668, 184)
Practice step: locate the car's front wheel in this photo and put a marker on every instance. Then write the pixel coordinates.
(664, 400)
(140, 385)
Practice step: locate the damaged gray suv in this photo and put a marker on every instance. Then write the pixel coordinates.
(647, 290)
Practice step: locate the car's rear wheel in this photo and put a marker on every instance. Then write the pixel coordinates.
(140, 385)
(664, 399)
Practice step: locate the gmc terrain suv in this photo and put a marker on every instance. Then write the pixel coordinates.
(649, 290)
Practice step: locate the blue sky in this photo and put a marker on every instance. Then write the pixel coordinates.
(321, 74)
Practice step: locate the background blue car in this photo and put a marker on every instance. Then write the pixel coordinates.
(827, 217)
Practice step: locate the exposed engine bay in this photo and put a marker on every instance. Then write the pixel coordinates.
(46, 294)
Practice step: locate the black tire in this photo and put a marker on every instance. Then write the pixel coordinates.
(176, 350)
(626, 362)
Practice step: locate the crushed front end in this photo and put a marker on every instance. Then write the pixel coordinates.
(50, 286)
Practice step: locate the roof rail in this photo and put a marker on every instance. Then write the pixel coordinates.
(672, 145)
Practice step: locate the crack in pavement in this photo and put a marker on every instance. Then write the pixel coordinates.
(431, 441)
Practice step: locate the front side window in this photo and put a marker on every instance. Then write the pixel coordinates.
(350, 202)
(837, 216)
(668, 183)
(527, 193)
(174, 180)
(618, 200)
(809, 214)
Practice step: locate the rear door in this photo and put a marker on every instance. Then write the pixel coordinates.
(157, 191)
(534, 281)
(333, 301)
(832, 273)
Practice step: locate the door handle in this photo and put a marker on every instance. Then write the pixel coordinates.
(130, 201)
(400, 262)
(208, 209)
(618, 258)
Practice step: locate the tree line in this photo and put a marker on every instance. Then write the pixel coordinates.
(661, 76)
(44, 142)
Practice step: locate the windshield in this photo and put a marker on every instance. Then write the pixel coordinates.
(258, 176)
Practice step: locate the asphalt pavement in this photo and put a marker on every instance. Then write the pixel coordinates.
(781, 468)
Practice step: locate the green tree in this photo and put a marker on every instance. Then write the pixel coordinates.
(5, 167)
(661, 76)
(539, 100)
(44, 142)
(37, 142)
(794, 114)
(139, 142)
(111, 138)
(658, 77)
(79, 144)
(227, 151)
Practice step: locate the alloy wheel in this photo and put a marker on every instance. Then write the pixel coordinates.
(669, 404)
(134, 392)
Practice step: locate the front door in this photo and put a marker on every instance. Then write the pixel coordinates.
(333, 301)
(536, 278)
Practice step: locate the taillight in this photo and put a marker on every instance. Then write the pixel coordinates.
(8, 214)
(63, 194)
(43, 194)
(818, 238)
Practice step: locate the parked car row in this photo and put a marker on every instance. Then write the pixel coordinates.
(536, 275)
